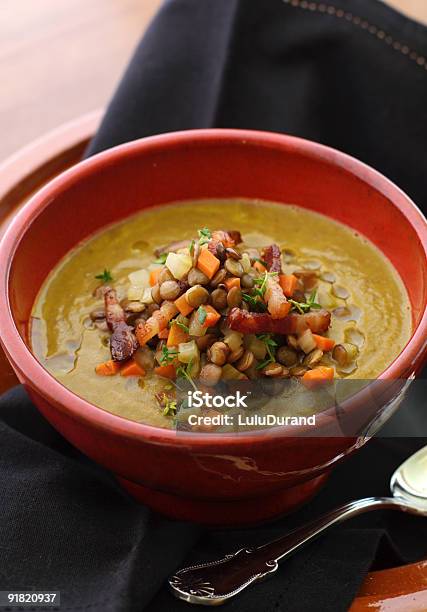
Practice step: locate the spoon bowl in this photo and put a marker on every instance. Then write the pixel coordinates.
(409, 481)
(218, 581)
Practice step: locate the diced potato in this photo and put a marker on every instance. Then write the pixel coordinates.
(196, 328)
(188, 351)
(257, 346)
(233, 339)
(140, 278)
(147, 298)
(135, 293)
(194, 369)
(179, 264)
(306, 341)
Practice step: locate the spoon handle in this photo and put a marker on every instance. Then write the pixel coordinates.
(218, 581)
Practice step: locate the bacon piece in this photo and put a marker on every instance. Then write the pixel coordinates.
(278, 305)
(261, 323)
(145, 330)
(100, 291)
(114, 313)
(272, 257)
(228, 238)
(123, 343)
(235, 236)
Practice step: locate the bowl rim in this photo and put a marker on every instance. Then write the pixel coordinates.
(64, 400)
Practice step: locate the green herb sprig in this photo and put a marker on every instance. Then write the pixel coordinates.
(261, 261)
(261, 283)
(168, 355)
(303, 307)
(254, 302)
(170, 407)
(255, 299)
(184, 371)
(105, 277)
(180, 324)
(271, 346)
(204, 235)
(161, 258)
(201, 315)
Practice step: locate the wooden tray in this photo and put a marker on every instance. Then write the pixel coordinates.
(402, 589)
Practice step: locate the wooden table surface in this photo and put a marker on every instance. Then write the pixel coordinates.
(62, 58)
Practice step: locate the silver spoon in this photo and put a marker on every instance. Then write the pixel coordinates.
(216, 582)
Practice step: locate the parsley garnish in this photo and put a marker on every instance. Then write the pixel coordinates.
(105, 277)
(191, 248)
(261, 261)
(168, 355)
(161, 258)
(181, 325)
(204, 235)
(255, 299)
(170, 407)
(184, 372)
(254, 302)
(261, 283)
(201, 315)
(271, 346)
(303, 307)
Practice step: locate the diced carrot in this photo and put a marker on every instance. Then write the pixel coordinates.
(288, 282)
(176, 335)
(154, 276)
(260, 267)
(167, 371)
(285, 308)
(234, 281)
(323, 343)
(108, 368)
(183, 306)
(212, 316)
(318, 376)
(208, 263)
(164, 334)
(132, 369)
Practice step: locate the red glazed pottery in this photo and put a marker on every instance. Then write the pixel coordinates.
(211, 478)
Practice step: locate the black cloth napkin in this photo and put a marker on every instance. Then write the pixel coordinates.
(350, 73)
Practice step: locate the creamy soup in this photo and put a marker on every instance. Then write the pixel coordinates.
(216, 291)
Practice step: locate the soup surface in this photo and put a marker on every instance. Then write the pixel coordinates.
(324, 269)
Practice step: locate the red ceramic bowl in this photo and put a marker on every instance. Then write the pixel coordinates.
(212, 478)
